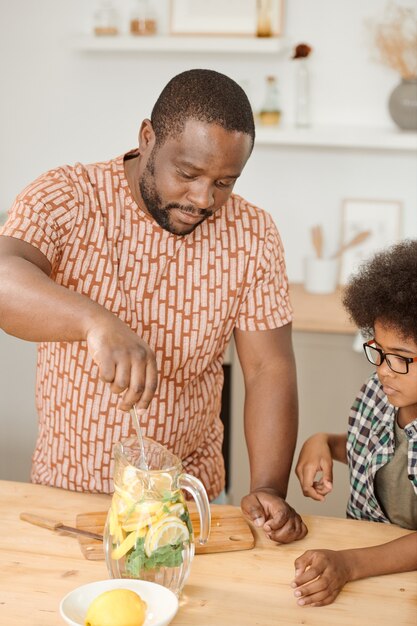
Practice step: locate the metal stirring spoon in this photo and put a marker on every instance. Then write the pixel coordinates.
(135, 418)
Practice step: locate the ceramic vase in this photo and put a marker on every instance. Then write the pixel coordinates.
(402, 104)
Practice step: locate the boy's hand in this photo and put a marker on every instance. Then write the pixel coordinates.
(315, 456)
(320, 576)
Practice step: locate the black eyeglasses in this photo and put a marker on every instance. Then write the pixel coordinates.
(396, 363)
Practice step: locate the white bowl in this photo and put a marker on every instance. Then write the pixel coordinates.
(162, 603)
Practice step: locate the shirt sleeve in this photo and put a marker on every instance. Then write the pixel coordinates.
(267, 304)
(40, 215)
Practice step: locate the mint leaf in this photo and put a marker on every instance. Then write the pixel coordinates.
(186, 519)
(167, 556)
(135, 559)
(172, 496)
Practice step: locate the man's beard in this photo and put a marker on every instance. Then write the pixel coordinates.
(161, 213)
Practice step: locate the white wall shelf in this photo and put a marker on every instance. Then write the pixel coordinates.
(342, 137)
(175, 43)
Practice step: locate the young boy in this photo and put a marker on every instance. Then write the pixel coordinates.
(380, 446)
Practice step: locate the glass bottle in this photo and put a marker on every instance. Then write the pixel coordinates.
(143, 19)
(270, 113)
(106, 19)
(263, 18)
(302, 93)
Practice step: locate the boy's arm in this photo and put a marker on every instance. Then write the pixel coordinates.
(317, 455)
(337, 444)
(321, 574)
(396, 556)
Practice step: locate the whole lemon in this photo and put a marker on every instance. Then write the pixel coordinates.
(118, 607)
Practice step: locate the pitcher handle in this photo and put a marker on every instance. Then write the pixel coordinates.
(195, 487)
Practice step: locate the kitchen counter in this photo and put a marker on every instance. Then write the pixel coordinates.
(320, 313)
(248, 588)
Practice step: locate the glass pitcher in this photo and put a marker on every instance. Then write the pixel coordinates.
(148, 533)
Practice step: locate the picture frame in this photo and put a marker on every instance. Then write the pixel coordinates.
(383, 218)
(220, 18)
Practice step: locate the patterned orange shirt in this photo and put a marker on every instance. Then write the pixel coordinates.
(183, 295)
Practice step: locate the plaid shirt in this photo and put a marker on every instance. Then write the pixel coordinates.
(370, 445)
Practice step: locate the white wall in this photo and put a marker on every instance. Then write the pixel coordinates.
(18, 419)
(59, 105)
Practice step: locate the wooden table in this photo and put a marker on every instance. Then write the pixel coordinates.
(249, 588)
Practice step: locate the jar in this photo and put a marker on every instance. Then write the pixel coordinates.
(263, 18)
(106, 19)
(270, 113)
(143, 19)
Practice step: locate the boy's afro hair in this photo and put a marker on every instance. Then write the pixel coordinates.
(385, 289)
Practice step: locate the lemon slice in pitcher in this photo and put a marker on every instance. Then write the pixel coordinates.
(169, 530)
(177, 509)
(161, 482)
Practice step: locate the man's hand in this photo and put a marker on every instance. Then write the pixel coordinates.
(265, 508)
(320, 576)
(125, 361)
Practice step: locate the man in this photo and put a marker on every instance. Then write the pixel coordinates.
(132, 275)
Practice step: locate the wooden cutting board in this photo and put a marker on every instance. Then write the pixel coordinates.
(229, 531)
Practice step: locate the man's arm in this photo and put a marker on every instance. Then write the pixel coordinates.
(271, 418)
(35, 308)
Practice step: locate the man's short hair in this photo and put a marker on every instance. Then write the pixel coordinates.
(205, 96)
